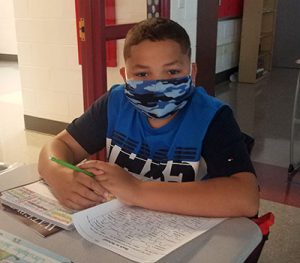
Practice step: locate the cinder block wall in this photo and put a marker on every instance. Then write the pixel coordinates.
(47, 52)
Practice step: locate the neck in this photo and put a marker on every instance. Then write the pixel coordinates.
(158, 123)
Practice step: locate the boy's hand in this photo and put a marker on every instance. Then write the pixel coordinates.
(77, 190)
(115, 179)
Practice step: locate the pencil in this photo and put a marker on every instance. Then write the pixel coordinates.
(71, 166)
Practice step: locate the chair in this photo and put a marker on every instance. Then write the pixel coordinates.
(264, 222)
(295, 163)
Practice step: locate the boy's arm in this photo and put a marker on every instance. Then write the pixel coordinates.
(236, 195)
(74, 190)
(84, 136)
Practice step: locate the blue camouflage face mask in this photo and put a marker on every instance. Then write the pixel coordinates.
(159, 98)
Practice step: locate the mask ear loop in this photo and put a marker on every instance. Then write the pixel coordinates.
(126, 77)
(193, 72)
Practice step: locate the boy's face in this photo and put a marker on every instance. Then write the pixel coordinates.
(157, 60)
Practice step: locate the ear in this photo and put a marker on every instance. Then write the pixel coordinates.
(194, 72)
(123, 73)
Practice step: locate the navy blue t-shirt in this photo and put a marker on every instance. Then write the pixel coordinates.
(202, 141)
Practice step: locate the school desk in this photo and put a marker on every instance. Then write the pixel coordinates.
(231, 241)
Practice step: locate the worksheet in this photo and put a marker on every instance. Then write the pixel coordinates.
(138, 234)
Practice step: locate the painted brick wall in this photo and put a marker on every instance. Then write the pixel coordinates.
(228, 44)
(8, 43)
(185, 13)
(47, 49)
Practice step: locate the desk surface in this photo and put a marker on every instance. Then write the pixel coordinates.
(231, 241)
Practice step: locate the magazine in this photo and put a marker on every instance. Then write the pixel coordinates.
(14, 249)
(37, 200)
(40, 226)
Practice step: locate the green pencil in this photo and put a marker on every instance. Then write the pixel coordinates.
(71, 166)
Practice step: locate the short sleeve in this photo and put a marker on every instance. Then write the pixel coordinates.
(224, 149)
(89, 130)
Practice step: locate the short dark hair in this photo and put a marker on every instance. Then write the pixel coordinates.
(157, 29)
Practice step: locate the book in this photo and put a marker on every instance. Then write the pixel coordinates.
(40, 226)
(37, 200)
(15, 249)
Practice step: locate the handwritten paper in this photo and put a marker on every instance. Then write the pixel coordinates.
(136, 233)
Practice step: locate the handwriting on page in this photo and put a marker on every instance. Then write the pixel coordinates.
(140, 234)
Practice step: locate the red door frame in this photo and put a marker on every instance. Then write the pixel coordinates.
(93, 49)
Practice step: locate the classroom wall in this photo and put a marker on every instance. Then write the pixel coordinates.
(8, 41)
(228, 44)
(186, 15)
(47, 52)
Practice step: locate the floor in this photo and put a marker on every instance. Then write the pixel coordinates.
(263, 110)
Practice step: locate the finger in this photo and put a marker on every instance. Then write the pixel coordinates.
(99, 181)
(71, 205)
(87, 193)
(83, 202)
(102, 179)
(68, 203)
(90, 183)
(76, 206)
(95, 171)
(95, 164)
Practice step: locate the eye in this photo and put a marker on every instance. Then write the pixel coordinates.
(141, 74)
(173, 71)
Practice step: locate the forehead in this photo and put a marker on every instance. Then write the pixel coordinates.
(155, 53)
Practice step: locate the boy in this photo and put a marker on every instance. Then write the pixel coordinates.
(157, 129)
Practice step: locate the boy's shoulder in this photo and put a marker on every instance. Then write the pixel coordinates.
(117, 88)
(116, 91)
(116, 94)
(201, 96)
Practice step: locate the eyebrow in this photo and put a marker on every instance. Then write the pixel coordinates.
(172, 63)
(140, 66)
